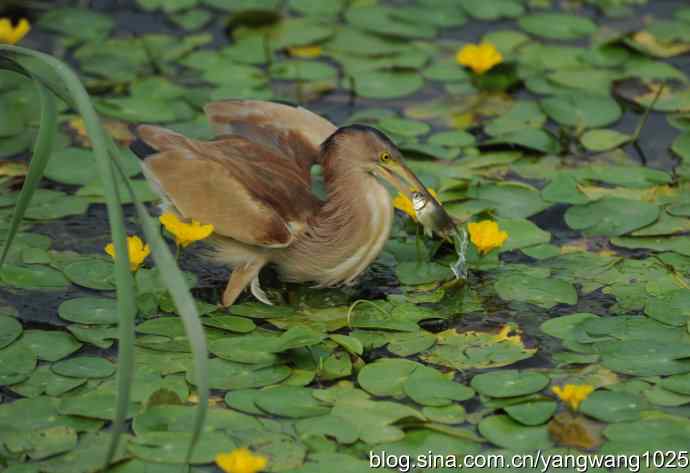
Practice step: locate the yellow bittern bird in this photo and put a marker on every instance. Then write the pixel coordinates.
(253, 183)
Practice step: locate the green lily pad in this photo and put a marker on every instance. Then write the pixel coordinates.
(582, 110)
(452, 414)
(680, 245)
(248, 349)
(92, 273)
(610, 406)
(603, 140)
(349, 343)
(44, 381)
(33, 277)
(89, 310)
(404, 127)
(611, 216)
(428, 387)
(229, 323)
(663, 397)
(43, 443)
(492, 10)
(387, 84)
(539, 291)
(171, 447)
(84, 367)
(557, 25)
(532, 412)
(63, 206)
(381, 20)
(412, 273)
(224, 374)
(178, 418)
(522, 234)
(646, 357)
(506, 433)
(303, 70)
(679, 383)
(77, 166)
(50, 345)
(87, 457)
(290, 401)
(80, 23)
(16, 363)
(100, 336)
(10, 330)
(509, 383)
(672, 308)
(386, 376)
(511, 200)
(565, 326)
(563, 188)
(410, 343)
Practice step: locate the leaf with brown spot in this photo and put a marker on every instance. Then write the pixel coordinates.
(576, 431)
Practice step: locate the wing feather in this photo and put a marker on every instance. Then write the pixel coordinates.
(294, 132)
(247, 191)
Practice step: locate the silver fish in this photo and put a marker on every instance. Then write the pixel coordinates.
(432, 215)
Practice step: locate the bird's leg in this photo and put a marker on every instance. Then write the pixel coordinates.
(240, 278)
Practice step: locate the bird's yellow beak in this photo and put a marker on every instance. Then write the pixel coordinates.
(402, 178)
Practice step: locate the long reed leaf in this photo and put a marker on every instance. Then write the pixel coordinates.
(179, 291)
(126, 294)
(71, 90)
(42, 148)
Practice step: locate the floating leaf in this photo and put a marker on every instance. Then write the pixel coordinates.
(509, 383)
(611, 216)
(476, 350)
(503, 431)
(557, 25)
(545, 293)
(84, 367)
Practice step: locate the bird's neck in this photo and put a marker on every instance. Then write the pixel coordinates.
(350, 229)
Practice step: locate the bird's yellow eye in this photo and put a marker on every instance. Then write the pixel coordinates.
(384, 157)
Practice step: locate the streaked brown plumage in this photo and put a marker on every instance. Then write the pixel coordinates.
(253, 183)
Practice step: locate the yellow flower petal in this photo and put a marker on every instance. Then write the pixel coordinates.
(136, 250)
(13, 34)
(486, 235)
(241, 460)
(480, 58)
(573, 394)
(185, 233)
(305, 52)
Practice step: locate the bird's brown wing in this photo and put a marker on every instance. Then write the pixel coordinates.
(293, 132)
(246, 190)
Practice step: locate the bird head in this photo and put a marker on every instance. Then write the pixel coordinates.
(364, 148)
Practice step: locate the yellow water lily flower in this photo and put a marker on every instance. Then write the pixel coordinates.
(402, 202)
(241, 460)
(13, 34)
(305, 52)
(185, 233)
(486, 235)
(573, 394)
(137, 250)
(479, 57)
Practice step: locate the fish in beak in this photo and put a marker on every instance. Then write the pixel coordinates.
(429, 210)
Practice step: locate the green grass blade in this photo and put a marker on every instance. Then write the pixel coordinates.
(73, 93)
(126, 294)
(42, 148)
(179, 291)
